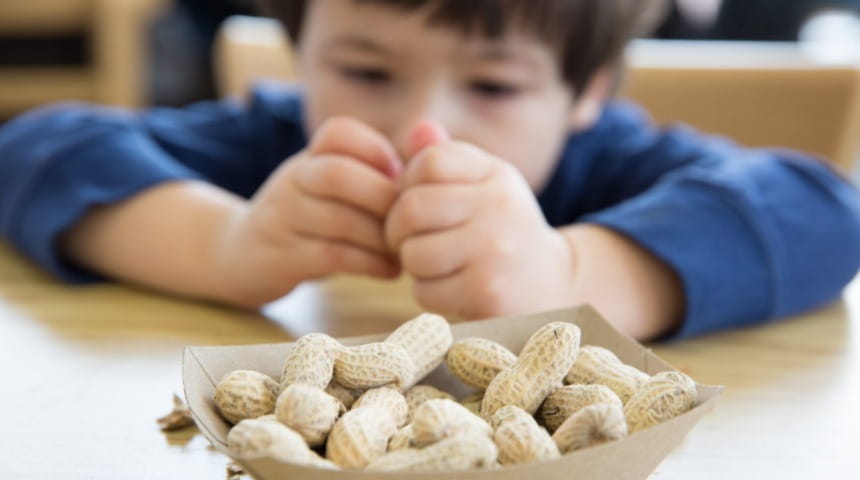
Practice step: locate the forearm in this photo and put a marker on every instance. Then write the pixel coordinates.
(165, 238)
(638, 293)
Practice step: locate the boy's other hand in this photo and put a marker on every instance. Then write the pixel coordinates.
(468, 229)
(321, 212)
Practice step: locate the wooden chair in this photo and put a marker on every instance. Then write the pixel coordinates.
(117, 31)
(250, 49)
(760, 94)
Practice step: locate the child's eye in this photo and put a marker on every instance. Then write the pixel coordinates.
(369, 76)
(494, 90)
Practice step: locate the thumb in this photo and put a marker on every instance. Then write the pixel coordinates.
(426, 133)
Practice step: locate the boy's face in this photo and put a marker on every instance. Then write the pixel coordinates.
(389, 69)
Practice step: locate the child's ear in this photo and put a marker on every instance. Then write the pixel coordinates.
(587, 107)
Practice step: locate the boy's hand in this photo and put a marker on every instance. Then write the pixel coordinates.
(468, 229)
(321, 212)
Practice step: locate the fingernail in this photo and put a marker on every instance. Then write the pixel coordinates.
(426, 133)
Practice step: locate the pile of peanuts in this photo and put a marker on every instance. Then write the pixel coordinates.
(361, 407)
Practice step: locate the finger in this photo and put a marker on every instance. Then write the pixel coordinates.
(344, 179)
(464, 295)
(323, 257)
(427, 208)
(448, 162)
(436, 255)
(332, 220)
(347, 136)
(426, 133)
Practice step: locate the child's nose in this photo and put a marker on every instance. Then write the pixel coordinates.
(430, 118)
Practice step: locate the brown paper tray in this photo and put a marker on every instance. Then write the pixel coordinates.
(634, 457)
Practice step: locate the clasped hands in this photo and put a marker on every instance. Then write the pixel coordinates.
(462, 222)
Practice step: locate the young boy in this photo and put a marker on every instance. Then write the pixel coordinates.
(469, 145)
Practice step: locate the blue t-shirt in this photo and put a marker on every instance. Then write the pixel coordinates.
(752, 234)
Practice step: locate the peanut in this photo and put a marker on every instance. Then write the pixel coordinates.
(473, 402)
(402, 439)
(506, 414)
(347, 396)
(663, 396)
(569, 399)
(374, 365)
(599, 365)
(360, 436)
(252, 438)
(440, 418)
(426, 338)
(389, 399)
(245, 394)
(591, 425)
(465, 451)
(309, 411)
(547, 356)
(519, 438)
(476, 361)
(420, 394)
(311, 361)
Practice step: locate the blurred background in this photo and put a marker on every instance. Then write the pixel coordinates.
(767, 72)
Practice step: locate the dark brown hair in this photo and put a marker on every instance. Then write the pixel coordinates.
(584, 34)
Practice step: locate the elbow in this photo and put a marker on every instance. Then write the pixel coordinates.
(850, 233)
(826, 265)
(844, 232)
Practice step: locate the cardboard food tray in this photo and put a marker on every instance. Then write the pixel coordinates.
(634, 457)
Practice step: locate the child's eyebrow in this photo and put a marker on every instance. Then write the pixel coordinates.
(358, 43)
(497, 54)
